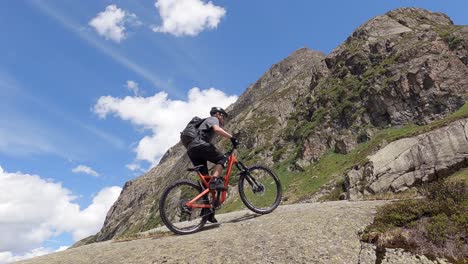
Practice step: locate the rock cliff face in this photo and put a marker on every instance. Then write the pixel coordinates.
(408, 66)
(409, 162)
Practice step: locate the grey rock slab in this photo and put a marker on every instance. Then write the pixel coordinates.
(299, 233)
(398, 255)
(411, 161)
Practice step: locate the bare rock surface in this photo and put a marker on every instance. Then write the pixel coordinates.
(393, 256)
(299, 233)
(409, 162)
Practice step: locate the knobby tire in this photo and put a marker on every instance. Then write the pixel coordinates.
(260, 202)
(171, 205)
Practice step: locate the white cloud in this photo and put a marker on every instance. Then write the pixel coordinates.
(164, 117)
(7, 256)
(90, 220)
(86, 170)
(133, 87)
(33, 210)
(187, 17)
(110, 23)
(135, 167)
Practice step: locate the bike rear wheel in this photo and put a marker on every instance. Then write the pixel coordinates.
(179, 218)
(260, 189)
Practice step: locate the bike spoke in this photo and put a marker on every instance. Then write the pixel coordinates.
(260, 189)
(176, 215)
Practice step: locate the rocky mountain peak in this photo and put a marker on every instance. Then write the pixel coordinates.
(399, 21)
(408, 66)
(302, 61)
(417, 17)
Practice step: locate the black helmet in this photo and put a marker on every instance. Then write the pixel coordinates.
(216, 109)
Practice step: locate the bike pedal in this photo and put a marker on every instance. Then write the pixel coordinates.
(215, 205)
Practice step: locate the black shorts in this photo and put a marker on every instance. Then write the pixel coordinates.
(201, 154)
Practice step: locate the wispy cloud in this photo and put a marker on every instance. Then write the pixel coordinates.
(109, 138)
(133, 86)
(135, 167)
(106, 49)
(15, 143)
(18, 142)
(86, 170)
(21, 134)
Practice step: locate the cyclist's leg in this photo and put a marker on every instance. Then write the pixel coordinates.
(208, 152)
(197, 158)
(213, 155)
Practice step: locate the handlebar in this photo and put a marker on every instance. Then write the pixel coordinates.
(233, 147)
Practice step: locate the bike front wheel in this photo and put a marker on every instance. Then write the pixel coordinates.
(179, 218)
(260, 189)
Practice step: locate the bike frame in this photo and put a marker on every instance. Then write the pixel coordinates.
(205, 179)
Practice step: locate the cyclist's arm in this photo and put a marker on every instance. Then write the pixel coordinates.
(218, 130)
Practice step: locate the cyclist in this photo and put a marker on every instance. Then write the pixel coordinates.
(201, 149)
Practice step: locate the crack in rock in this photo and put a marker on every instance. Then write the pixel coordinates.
(465, 130)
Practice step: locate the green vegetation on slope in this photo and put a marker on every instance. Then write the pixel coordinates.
(332, 166)
(436, 225)
(339, 97)
(447, 34)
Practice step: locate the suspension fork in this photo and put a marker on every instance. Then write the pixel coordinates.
(245, 172)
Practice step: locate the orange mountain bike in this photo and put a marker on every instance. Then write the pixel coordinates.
(184, 206)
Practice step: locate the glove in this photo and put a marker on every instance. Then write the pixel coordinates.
(234, 141)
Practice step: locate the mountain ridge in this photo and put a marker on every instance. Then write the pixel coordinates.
(408, 66)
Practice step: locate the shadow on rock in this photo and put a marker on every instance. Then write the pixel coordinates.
(243, 218)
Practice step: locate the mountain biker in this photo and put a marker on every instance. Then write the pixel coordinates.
(201, 150)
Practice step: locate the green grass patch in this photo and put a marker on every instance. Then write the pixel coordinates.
(153, 221)
(303, 184)
(233, 204)
(460, 176)
(447, 34)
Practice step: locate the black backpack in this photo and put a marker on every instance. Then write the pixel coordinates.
(191, 131)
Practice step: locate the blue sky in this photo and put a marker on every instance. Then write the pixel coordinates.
(93, 92)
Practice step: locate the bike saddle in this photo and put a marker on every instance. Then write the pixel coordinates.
(198, 168)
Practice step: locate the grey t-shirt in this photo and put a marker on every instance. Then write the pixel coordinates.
(207, 128)
(207, 133)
